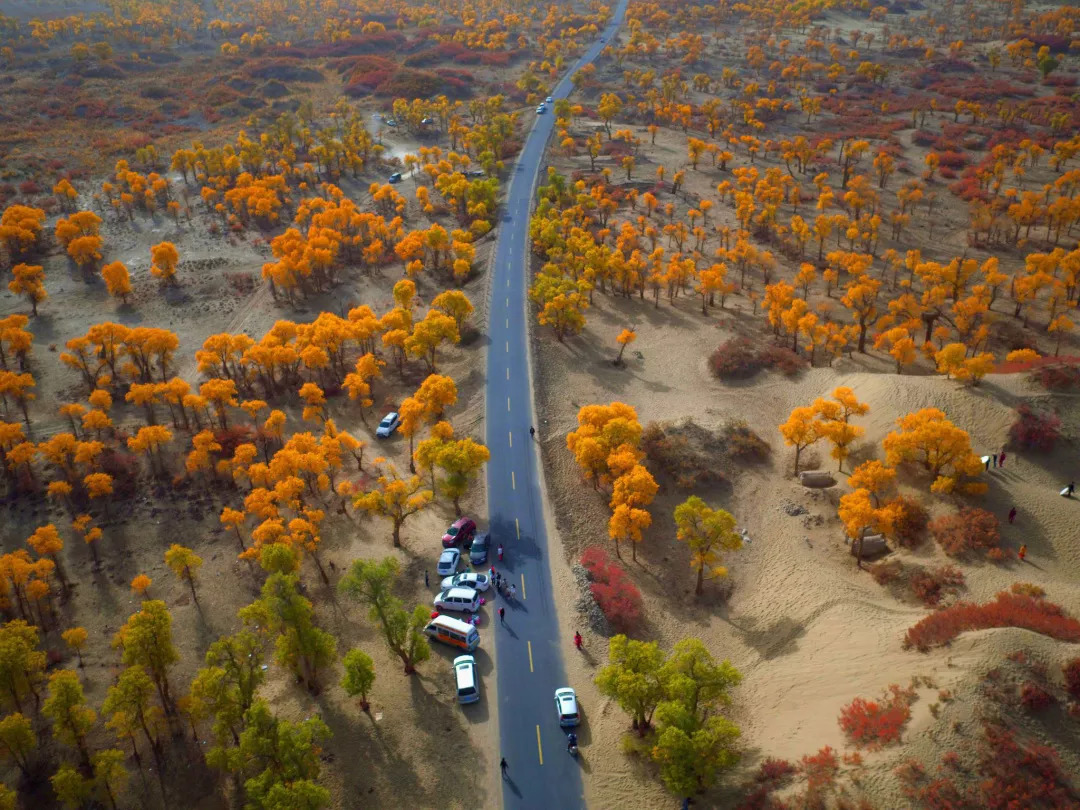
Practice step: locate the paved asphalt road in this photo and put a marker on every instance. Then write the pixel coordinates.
(530, 667)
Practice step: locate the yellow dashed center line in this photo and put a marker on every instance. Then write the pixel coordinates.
(522, 586)
(508, 347)
(508, 372)
(530, 655)
(517, 527)
(539, 747)
(508, 404)
(513, 480)
(511, 435)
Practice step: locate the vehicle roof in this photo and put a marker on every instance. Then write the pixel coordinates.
(565, 693)
(391, 415)
(453, 624)
(461, 522)
(464, 659)
(450, 552)
(460, 591)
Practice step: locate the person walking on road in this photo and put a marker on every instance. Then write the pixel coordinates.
(502, 615)
(532, 432)
(1022, 552)
(513, 590)
(426, 583)
(503, 766)
(1012, 515)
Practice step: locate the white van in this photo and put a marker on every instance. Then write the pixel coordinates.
(465, 600)
(454, 632)
(465, 676)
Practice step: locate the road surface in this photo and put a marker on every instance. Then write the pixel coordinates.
(530, 666)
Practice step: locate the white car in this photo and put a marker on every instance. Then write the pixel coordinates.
(541, 110)
(462, 600)
(388, 425)
(466, 679)
(448, 562)
(547, 100)
(566, 707)
(470, 579)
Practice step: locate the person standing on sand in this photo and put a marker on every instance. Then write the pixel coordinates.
(426, 583)
(988, 462)
(994, 456)
(1022, 552)
(1012, 514)
(1070, 489)
(1001, 459)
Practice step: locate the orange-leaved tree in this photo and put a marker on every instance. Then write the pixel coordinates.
(394, 498)
(928, 438)
(801, 430)
(117, 280)
(624, 339)
(605, 433)
(833, 421)
(29, 280)
(164, 259)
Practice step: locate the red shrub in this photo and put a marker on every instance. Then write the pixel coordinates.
(735, 359)
(820, 769)
(1035, 698)
(1071, 670)
(617, 596)
(966, 531)
(1014, 775)
(29, 187)
(232, 437)
(874, 724)
(774, 770)
(1035, 430)
(930, 585)
(782, 359)
(952, 159)
(1058, 377)
(1007, 610)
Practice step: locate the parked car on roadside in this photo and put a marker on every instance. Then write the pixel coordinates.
(478, 551)
(566, 707)
(468, 579)
(466, 679)
(394, 178)
(463, 600)
(448, 562)
(461, 532)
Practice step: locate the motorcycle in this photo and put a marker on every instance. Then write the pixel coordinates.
(571, 745)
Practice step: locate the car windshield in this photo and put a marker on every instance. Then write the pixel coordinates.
(386, 421)
(452, 531)
(480, 541)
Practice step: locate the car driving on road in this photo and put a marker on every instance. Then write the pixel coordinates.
(461, 532)
(469, 579)
(448, 562)
(541, 109)
(547, 100)
(388, 425)
(566, 707)
(394, 178)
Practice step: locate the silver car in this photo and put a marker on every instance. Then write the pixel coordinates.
(388, 425)
(448, 562)
(469, 579)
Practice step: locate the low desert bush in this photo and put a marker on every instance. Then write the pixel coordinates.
(743, 444)
(1012, 774)
(232, 437)
(735, 359)
(619, 598)
(1071, 671)
(740, 359)
(1007, 610)
(124, 469)
(782, 359)
(1057, 377)
(874, 724)
(887, 572)
(1034, 698)
(969, 530)
(677, 457)
(1035, 430)
(910, 521)
(930, 585)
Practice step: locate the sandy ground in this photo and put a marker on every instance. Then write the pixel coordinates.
(805, 628)
(421, 748)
